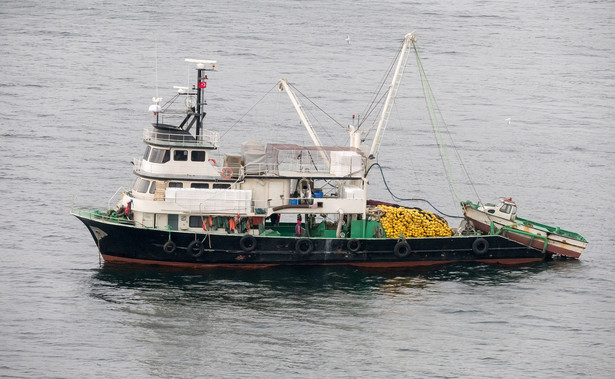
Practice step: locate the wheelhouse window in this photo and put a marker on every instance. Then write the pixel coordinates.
(221, 185)
(141, 185)
(506, 208)
(147, 150)
(159, 156)
(176, 185)
(152, 188)
(195, 221)
(197, 156)
(199, 185)
(180, 155)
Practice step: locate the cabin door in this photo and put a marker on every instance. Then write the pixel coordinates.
(172, 221)
(276, 193)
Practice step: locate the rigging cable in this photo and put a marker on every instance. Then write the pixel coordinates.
(249, 110)
(316, 105)
(397, 198)
(365, 134)
(433, 108)
(313, 116)
(373, 104)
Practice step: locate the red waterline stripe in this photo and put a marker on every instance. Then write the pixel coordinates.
(511, 261)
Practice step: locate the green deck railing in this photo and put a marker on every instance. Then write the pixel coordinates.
(532, 236)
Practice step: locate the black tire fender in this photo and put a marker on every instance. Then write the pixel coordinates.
(169, 247)
(247, 243)
(353, 245)
(195, 248)
(304, 246)
(480, 246)
(402, 249)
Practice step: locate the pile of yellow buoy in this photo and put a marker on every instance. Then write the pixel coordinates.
(408, 223)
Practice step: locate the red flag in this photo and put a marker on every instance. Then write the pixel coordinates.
(202, 84)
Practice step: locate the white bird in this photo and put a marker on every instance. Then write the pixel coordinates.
(348, 39)
(508, 120)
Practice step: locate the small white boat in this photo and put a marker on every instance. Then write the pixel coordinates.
(502, 219)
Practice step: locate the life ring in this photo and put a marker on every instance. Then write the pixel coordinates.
(212, 161)
(304, 246)
(354, 245)
(226, 173)
(169, 247)
(195, 248)
(402, 249)
(247, 243)
(480, 246)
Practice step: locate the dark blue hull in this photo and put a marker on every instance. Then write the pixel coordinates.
(123, 242)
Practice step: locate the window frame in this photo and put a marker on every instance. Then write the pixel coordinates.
(198, 153)
(176, 155)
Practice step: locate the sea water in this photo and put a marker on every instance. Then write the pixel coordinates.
(526, 89)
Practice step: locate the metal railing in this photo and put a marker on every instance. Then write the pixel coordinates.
(206, 139)
(116, 197)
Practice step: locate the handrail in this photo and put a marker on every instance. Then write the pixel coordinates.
(522, 232)
(96, 214)
(123, 189)
(207, 138)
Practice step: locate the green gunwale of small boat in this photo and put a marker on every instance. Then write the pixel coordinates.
(551, 229)
(536, 225)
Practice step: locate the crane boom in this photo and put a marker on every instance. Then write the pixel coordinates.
(392, 91)
(304, 120)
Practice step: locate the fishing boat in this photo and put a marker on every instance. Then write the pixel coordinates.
(502, 219)
(273, 204)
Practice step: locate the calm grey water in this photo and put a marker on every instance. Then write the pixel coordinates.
(76, 80)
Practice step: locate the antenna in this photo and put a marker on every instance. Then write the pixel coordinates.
(201, 84)
(156, 43)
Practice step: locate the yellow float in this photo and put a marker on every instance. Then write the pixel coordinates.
(410, 223)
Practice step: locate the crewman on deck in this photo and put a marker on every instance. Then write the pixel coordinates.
(298, 227)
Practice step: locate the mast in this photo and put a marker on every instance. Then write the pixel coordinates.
(200, 87)
(392, 91)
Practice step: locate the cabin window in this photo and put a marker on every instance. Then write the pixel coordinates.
(152, 188)
(195, 221)
(176, 185)
(505, 208)
(221, 185)
(141, 185)
(147, 150)
(199, 185)
(180, 155)
(198, 156)
(159, 156)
